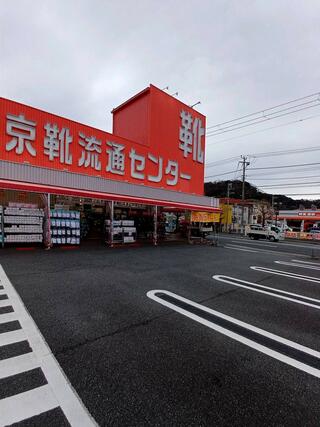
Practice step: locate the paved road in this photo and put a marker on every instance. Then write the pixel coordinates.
(147, 336)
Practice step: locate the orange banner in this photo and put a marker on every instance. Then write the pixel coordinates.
(205, 217)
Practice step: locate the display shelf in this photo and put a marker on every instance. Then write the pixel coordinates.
(65, 227)
(1, 228)
(13, 211)
(22, 224)
(123, 231)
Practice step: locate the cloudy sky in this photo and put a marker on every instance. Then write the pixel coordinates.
(80, 59)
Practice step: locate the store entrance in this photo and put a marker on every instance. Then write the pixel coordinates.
(92, 215)
(61, 220)
(92, 222)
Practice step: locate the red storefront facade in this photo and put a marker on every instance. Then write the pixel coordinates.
(154, 156)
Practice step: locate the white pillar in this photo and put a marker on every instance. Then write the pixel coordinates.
(155, 224)
(111, 222)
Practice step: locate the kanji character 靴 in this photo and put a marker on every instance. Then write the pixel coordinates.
(159, 162)
(172, 169)
(138, 164)
(116, 158)
(185, 134)
(90, 153)
(23, 132)
(198, 132)
(57, 143)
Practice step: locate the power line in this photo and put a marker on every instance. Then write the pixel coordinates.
(280, 171)
(221, 174)
(218, 162)
(262, 121)
(286, 177)
(213, 143)
(265, 116)
(286, 166)
(266, 109)
(292, 184)
(300, 194)
(264, 168)
(268, 154)
(267, 168)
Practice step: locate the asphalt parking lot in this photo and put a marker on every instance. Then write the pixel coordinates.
(241, 348)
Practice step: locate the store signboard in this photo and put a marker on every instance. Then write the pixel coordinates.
(307, 213)
(205, 217)
(173, 162)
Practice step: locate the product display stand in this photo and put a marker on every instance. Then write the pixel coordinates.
(22, 224)
(1, 228)
(65, 227)
(123, 231)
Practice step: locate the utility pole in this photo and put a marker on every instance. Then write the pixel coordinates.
(228, 203)
(244, 162)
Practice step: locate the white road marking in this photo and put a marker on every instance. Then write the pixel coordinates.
(26, 405)
(4, 302)
(7, 317)
(58, 392)
(282, 243)
(293, 264)
(252, 242)
(286, 274)
(306, 262)
(268, 290)
(17, 365)
(7, 338)
(239, 248)
(258, 250)
(262, 348)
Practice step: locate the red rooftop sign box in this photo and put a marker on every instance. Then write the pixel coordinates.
(157, 141)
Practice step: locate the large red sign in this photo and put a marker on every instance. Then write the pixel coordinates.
(159, 144)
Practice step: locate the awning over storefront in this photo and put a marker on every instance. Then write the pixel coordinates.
(24, 177)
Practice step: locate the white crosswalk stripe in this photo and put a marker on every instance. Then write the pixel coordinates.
(7, 317)
(12, 337)
(16, 365)
(4, 302)
(57, 393)
(26, 405)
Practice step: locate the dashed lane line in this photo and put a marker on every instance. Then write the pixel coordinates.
(286, 274)
(240, 249)
(250, 242)
(58, 391)
(274, 292)
(294, 264)
(282, 349)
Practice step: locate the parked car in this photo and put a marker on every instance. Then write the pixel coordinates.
(314, 231)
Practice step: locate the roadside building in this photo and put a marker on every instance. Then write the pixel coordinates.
(63, 182)
(254, 212)
(300, 220)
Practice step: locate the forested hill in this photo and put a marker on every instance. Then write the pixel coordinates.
(219, 189)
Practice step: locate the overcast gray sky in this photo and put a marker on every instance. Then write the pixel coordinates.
(80, 59)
